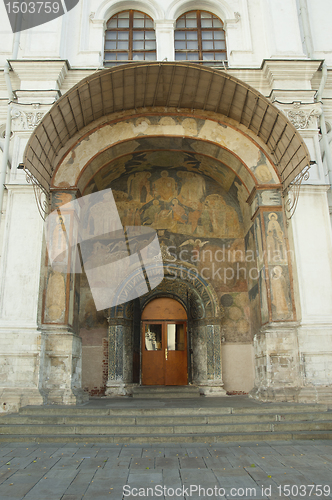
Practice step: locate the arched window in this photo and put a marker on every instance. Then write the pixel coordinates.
(129, 36)
(200, 36)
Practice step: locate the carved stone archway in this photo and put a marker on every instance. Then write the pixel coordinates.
(205, 315)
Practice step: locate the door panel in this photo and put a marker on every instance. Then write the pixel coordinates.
(176, 372)
(164, 354)
(153, 354)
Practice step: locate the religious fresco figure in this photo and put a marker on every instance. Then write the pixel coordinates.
(276, 249)
(179, 213)
(164, 187)
(55, 296)
(58, 247)
(194, 215)
(216, 209)
(139, 186)
(192, 189)
(164, 220)
(150, 214)
(102, 218)
(279, 293)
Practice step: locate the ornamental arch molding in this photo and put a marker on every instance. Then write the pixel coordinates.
(220, 8)
(109, 8)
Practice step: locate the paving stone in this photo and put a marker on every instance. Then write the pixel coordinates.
(131, 452)
(118, 463)
(217, 463)
(192, 463)
(104, 489)
(19, 484)
(41, 463)
(286, 450)
(142, 463)
(80, 483)
(167, 463)
(69, 475)
(175, 452)
(153, 452)
(50, 487)
(4, 474)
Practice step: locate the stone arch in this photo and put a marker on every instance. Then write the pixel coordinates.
(235, 148)
(219, 132)
(204, 314)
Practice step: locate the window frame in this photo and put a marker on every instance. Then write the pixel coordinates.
(130, 30)
(199, 30)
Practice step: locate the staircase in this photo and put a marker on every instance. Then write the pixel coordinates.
(166, 391)
(191, 421)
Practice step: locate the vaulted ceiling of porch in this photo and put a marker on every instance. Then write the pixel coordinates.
(173, 86)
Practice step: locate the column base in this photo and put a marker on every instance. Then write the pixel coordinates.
(114, 389)
(66, 397)
(11, 399)
(275, 394)
(320, 395)
(212, 389)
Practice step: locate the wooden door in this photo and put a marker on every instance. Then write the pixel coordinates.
(164, 343)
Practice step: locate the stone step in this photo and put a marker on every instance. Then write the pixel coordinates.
(163, 419)
(169, 411)
(126, 421)
(166, 388)
(162, 391)
(167, 438)
(46, 429)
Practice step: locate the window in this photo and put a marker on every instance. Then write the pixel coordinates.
(200, 36)
(129, 36)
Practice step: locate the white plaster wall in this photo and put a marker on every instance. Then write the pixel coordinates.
(320, 15)
(265, 28)
(21, 257)
(313, 253)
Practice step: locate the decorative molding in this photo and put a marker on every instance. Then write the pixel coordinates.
(41, 195)
(293, 192)
(303, 116)
(25, 118)
(229, 23)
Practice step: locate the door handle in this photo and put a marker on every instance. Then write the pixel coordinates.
(166, 353)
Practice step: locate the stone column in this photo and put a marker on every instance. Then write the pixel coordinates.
(165, 39)
(206, 357)
(121, 350)
(62, 367)
(21, 342)
(277, 375)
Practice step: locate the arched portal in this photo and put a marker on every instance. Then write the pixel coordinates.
(164, 343)
(205, 171)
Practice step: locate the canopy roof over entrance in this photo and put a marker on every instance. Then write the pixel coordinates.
(171, 85)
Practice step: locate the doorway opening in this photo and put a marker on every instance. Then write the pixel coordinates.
(164, 343)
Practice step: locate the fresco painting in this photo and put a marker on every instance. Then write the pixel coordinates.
(280, 293)
(275, 238)
(263, 298)
(198, 220)
(246, 152)
(200, 212)
(236, 324)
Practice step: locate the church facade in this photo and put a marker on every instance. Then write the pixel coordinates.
(211, 129)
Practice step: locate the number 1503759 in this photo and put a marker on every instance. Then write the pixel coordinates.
(33, 7)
